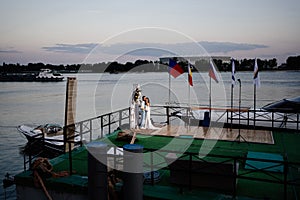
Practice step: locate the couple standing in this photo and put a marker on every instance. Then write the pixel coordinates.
(145, 113)
(140, 106)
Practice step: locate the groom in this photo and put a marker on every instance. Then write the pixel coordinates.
(143, 112)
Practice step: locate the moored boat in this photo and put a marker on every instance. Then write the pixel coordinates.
(50, 134)
(45, 75)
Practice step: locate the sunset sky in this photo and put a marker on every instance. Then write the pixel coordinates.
(66, 31)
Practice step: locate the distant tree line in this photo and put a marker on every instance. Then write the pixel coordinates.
(292, 63)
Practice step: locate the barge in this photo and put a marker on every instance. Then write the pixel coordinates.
(45, 75)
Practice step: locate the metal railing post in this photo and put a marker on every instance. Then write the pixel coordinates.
(120, 118)
(80, 131)
(248, 118)
(297, 121)
(101, 126)
(109, 123)
(168, 117)
(272, 119)
(91, 130)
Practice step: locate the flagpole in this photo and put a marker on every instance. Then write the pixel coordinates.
(231, 104)
(256, 82)
(254, 105)
(189, 98)
(210, 97)
(232, 86)
(188, 84)
(169, 88)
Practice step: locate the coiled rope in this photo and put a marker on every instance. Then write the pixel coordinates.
(42, 169)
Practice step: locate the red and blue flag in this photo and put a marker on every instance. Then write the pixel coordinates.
(174, 68)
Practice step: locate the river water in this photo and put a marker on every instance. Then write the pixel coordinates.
(44, 102)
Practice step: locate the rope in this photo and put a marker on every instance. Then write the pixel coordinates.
(41, 165)
(43, 169)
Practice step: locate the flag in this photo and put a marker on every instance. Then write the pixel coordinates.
(256, 79)
(233, 73)
(190, 76)
(174, 68)
(212, 72)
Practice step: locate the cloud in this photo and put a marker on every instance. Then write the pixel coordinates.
(154, 49)
(9, 50)
(72, 48)
(225, 47)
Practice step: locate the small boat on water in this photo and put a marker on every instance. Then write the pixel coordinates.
(45, 75)
(52, 134)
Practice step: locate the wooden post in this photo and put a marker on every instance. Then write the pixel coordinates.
(70, 111)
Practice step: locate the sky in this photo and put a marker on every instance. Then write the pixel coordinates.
(69, 31)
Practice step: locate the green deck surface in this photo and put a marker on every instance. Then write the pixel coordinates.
(286, 144)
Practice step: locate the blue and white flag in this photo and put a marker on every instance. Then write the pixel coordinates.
(256, 79)
(233, 74)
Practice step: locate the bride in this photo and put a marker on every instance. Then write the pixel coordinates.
(148, 123)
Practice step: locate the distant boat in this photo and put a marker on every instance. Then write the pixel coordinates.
(45, 75)
(52, 133)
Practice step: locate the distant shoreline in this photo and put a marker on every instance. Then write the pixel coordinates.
(201, 65)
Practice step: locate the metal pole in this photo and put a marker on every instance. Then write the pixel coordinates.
(240, 100)
(120, 118)
(297, 121)
(210, 97)
(168, 117)
(231, 105)
(169, 88)
(91, 132)
(254, 106)
(102, 125)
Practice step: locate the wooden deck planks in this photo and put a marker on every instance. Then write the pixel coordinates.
(215, 133)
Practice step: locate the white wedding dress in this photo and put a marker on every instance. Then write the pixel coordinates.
(148, 123)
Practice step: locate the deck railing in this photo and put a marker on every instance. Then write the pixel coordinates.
(98, 127)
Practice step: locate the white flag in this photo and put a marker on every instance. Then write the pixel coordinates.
(233, 74)
(256, 79)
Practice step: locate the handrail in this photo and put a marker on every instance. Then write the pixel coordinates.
(117, 118)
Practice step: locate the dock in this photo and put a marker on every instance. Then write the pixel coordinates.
(184, 161)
